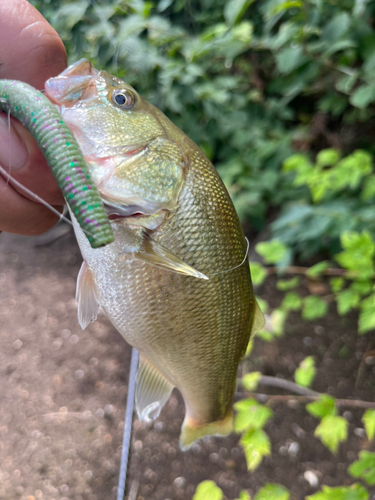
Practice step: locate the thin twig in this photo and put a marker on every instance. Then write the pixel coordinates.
(283, 384)
(304, 270)
(264, 398)
(287, 385)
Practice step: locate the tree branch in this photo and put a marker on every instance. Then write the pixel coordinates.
(287, 385)
(305, 395)
(303, 270)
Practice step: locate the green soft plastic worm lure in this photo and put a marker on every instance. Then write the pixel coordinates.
(63, 156)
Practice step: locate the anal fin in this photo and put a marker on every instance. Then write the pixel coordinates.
(152, 391)
(88, 306)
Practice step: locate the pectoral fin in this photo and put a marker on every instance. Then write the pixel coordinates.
(259, 321)
(88, 306)
(152, 392)
(158, 255)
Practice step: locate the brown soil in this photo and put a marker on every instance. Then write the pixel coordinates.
(63, 392)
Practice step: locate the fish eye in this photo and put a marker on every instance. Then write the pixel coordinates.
(123, 98)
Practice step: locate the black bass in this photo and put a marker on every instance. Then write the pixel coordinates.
(175, 282)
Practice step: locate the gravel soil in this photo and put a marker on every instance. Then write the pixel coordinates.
(63, 393)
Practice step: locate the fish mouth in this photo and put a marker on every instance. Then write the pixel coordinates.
(114, 216)
(135, 216)
(115, 212)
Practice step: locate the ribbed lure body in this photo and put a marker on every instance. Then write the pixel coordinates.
(63, 156)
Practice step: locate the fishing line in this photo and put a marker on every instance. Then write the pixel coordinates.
(128, 425)
(9, 151)
(40, 200)
(233, 268)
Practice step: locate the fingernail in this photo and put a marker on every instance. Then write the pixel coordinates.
(13, 152)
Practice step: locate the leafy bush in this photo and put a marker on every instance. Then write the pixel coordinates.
(249, 82)
(280, 96)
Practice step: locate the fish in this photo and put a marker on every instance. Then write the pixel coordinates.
(176, 282)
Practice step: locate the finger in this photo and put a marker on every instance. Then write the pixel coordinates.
(30, 49)
(22, 158)
(20, 215)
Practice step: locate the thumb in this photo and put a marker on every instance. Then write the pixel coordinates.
(21, 157)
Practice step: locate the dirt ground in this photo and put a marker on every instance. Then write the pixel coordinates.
(63, 393)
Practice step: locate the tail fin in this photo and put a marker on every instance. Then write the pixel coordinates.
(192, 432)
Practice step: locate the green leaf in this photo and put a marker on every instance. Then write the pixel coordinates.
(364, 468)
(249, 348)
(265, 336)
(276, 322)
(305, 373)
(292, 302)
(285, 285)
(336, 27)
(358, 254)
(235, 9)
(316, 270)
(244, 495)
(337, 284)
(298, 162)
(322, 407)
(256, 445)
(273, 251)
(250, 380)
(353, 492)
(346, 83)
(369, 422)
(68, 15)
(289, 4)
(258, 273)
(347, 300)
(207, 490)
(368, 189)
(363, 287)
(328, 157)
(363, 96)
(263, 304)
(332, 430)
(271, 491)
(314, 308)
(251, 414)
(289, 59)
(367, 315)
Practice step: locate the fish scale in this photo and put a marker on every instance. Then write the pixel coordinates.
(175, 282)
(177, 321)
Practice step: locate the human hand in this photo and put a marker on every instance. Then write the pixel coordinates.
(30, 51)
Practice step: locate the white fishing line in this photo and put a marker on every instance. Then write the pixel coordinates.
(239, 265)
(40, 200)
(9, 150)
